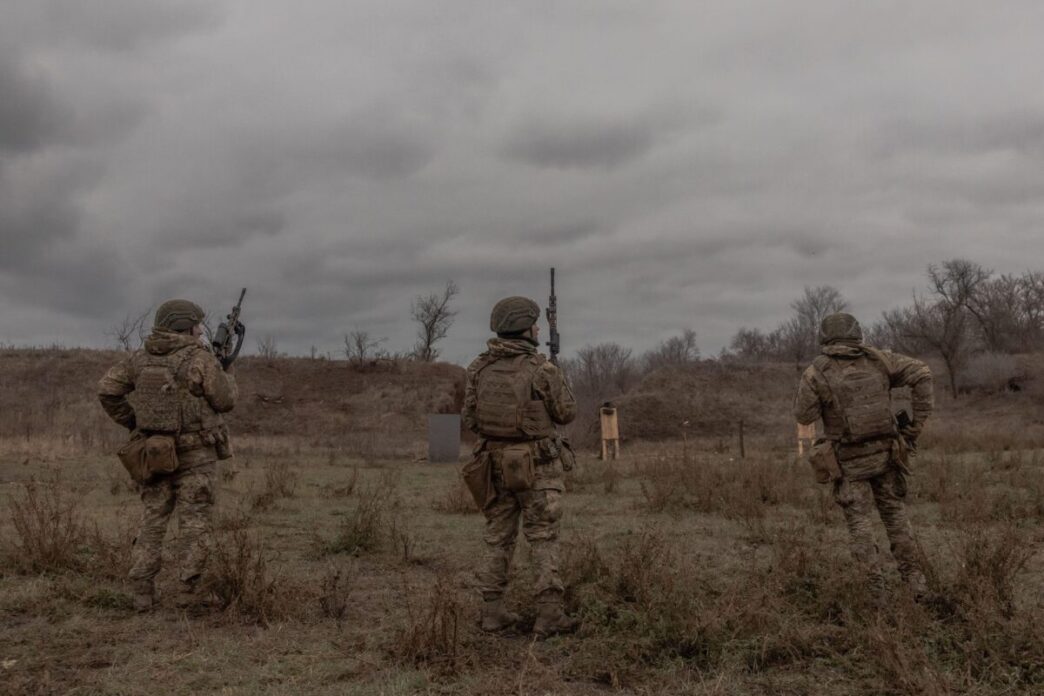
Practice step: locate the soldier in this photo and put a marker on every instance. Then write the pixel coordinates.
(180, 390)
(513, 399)
(848, 386)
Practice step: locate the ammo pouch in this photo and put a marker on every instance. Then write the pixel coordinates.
(516, 467)
(145, 456)
(478, 477)
(823, 460)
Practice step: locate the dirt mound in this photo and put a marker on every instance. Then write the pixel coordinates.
(52, 394)
(709, 398)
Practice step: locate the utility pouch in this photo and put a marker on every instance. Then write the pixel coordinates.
(132, 456)
(516, 467)
(823, 460)
(161, 455)
(146, 456)
(478, 477)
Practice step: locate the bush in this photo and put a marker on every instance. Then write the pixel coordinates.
(50, 533)
(433, 635)
(239, 578)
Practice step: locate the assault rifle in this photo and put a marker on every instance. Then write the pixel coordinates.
(224, 349)
(554, 342)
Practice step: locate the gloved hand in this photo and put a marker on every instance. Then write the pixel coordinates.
(910, 433)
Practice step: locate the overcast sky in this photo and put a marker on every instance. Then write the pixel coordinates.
(682, 164)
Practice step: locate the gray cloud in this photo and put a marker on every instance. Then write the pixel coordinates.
(682, 165)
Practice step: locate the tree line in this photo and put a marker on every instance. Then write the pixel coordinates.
(964, 311)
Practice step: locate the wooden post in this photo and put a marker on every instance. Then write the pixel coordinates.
(610, 431)
(806, 435)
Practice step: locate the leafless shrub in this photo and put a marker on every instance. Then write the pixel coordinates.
(268, 349)
(369, 524)
(280, 482)
(990, 561)
(455, 500)
(336, 587)
(50, 532)
(345, 488)
(359, 346)
(433, 635)
(239, 578)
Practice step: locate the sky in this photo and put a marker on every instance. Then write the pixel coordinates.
(682, 164)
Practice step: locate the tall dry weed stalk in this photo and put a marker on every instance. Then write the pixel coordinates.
(240, 578)
(280, 482)
(455, 500)
(434, 634)
(50, 532)
(336, 587)
(370, 524)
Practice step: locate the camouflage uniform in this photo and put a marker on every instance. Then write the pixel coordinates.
(205, 392)
(539, 509)
(873, 471)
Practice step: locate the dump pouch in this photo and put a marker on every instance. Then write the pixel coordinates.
(146, 456)
(132, 456)
(516, 467)
(823, 460)
(161, 456)
(478, 477)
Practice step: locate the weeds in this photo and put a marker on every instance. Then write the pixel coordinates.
(50, 532)
(433, 633)
(239, 578)
(455, 500)
(369, 524)
(280, 482)
(335, 589)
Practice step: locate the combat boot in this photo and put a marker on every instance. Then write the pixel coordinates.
(495, 617)
(144, 595)
(551, 620)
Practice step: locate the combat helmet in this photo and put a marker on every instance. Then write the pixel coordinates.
(840, 327)
(178, 315)
(513, 315)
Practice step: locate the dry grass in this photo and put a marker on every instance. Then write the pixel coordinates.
(694, 571)
(433, 633)
(242, 581)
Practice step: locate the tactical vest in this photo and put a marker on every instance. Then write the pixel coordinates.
(860, 391)
(162, 400)
(505, 404)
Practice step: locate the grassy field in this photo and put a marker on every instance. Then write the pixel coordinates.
(343, 562)
(693, 572)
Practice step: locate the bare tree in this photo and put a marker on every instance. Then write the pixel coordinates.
(359, 347)
(676, 351)
(810, 309)
(130, 333)
(267, 348)
(601, 371)
(434, 319)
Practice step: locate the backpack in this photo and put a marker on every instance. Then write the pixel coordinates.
(860, 390)
(505, 404)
